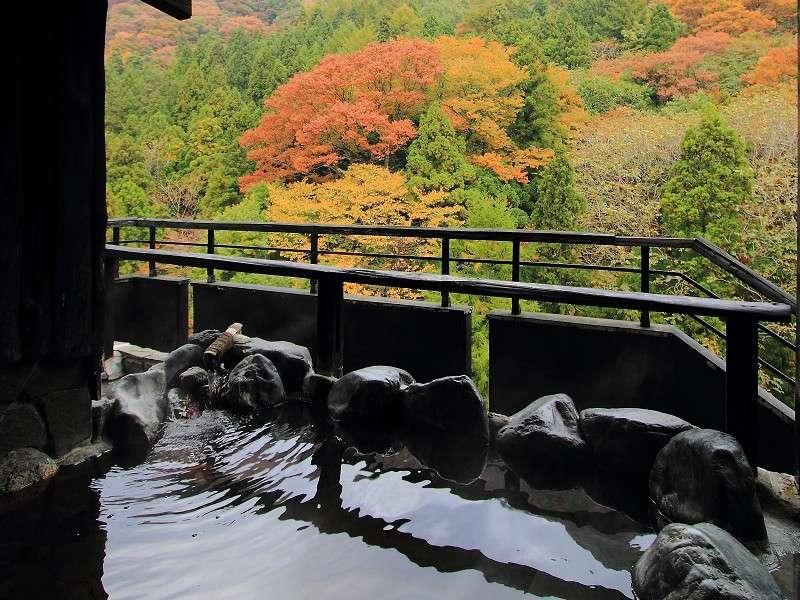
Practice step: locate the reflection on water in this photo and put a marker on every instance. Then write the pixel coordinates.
(225, 507)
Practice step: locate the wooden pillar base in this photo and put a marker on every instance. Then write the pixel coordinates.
(330, 337)
(741, 385)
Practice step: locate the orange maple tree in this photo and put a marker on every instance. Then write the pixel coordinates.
(728, 16)
(775, 66)
(350, 108)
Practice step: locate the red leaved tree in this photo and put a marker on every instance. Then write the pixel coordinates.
(675, 72)
(350, 108)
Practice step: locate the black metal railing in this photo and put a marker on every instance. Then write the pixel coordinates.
(744, 320)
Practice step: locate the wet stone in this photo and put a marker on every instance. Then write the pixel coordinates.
(292, 360)
(193, 380)
(628, 438)
(543, 434)
(254, 383)
(702, 475)
(180, 359)
(496, 423)
(24, 467)
(316, 388)
(448, 404)
(372, 395)
(701, 562)
(140, 407)
(204, 338)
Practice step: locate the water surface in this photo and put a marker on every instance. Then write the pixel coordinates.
(228, 507)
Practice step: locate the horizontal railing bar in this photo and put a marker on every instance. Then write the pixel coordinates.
(764, 363)
(499, 235)
(776, 336)
(709, 251)
(776, 371)
(503, 289)
(713, 329)
(744, 273)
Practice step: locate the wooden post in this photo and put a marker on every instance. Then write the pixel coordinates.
(644, 316)
(115, 241)
(330, 337)
(445, 268)
(313, 257)
(153, 271)
(210, 250)
(741, 384)
(110, 269)
(515, 309)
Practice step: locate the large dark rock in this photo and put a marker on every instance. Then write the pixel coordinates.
(292, 361)
(180, 359)
(204, 338)
(316, 388)
(21, 427)
(448, 404)
(628, 438)
(543, 434)
(23, 467)
(140, 407)
(254, 383)
(702, 475)
(369, 395)
(701, 562)
(194, 380)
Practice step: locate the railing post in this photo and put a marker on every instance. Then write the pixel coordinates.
(445, 268)
(644, 316)
(515, 310)
(210, 250)
(153, 271)
(330, 337)
(741, 384)
(115, 240)
(110, 269)
(313, 257)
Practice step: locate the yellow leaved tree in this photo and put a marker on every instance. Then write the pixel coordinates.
(479, 92)
(365, 195)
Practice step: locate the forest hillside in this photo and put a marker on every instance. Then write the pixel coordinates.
(673, 117)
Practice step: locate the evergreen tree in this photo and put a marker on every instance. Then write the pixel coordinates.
(535, 123)
(708, 185)
(564, 41)
(662, 30)
(558, 203)
(383, 32)
(437, 157)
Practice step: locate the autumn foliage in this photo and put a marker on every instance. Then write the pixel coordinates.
(776, 65)
(674, 72)
(350, 108)
(728, 16)
(368, 195)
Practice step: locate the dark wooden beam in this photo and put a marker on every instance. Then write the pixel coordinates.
(689, 305)
(741, 384)
(180, 9)
(330, 333)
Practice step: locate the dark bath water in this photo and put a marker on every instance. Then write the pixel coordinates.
(230, 508)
